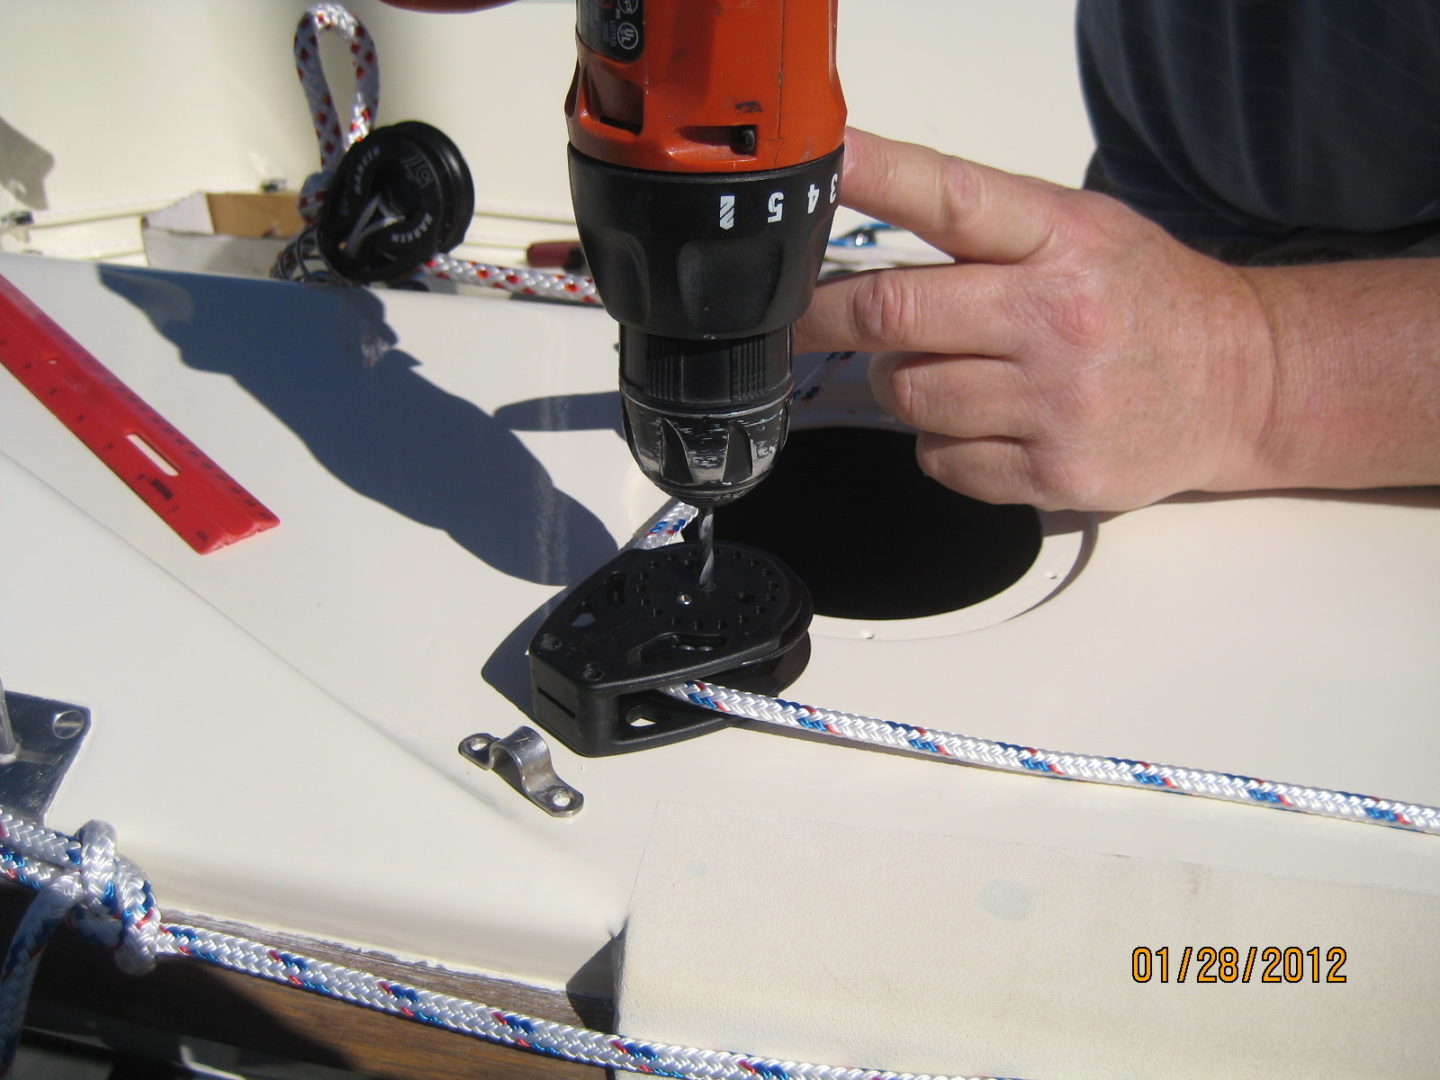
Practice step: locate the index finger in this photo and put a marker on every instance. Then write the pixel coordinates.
(966, 210)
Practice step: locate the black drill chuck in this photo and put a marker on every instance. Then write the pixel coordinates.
(705, 272)
(705, 419)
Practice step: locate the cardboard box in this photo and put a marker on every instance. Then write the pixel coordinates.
(222, 233)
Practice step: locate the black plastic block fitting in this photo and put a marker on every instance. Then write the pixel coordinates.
(641, 622)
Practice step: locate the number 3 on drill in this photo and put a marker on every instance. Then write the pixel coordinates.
(812, 197)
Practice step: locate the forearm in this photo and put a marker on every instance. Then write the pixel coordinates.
(1356, 362)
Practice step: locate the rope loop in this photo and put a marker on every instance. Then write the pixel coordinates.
(116, 908)
(107, 899)
(324, 114)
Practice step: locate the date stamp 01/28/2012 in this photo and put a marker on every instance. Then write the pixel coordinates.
(1229, 964)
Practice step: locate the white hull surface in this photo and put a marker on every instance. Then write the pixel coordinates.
(275, 724)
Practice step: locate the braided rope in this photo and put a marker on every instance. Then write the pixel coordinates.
(104, 887)
(47, 911)
(665, 527)
(520, 281)
(106, 897)
(320, 19)
(301, 260)
(969, 750)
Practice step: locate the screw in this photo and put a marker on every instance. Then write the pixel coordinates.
(67, 724)
(548, 643)
(685, 599)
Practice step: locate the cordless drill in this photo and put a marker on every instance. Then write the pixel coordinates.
(705, 146)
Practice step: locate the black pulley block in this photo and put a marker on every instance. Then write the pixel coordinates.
(642, 621)
(399, 196)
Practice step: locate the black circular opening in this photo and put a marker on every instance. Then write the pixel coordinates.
(872, 536)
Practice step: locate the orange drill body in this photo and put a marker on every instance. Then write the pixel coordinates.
(715, 86)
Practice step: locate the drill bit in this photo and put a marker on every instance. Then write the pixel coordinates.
(705, 529)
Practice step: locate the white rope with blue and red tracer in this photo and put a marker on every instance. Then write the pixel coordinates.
(988, 753)
(112, 903)
(666, 527)
(82, 879)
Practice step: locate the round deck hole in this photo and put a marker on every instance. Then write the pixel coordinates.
(872, 536)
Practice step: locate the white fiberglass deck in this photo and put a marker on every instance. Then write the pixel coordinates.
(275, 725)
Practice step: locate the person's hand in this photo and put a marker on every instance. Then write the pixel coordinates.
(1073, 355)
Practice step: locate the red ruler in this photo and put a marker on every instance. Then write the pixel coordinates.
(192, 494)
